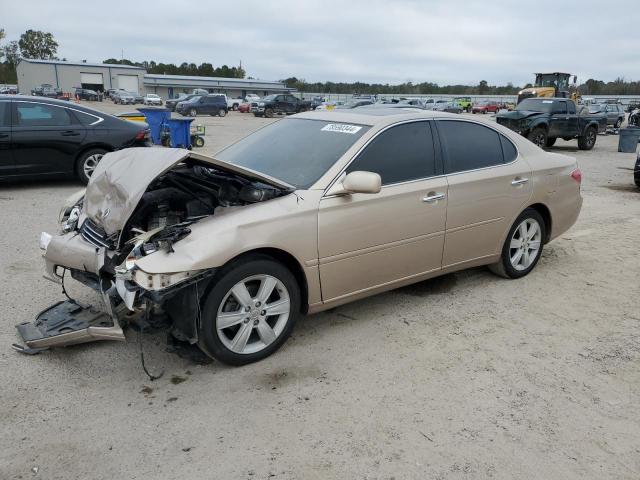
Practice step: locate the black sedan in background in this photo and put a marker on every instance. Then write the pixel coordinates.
(46, 137)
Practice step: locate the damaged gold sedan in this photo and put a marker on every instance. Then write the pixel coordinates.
(308, 213)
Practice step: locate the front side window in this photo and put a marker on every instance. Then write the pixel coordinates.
(560, 107)
(469, 146)
(41, 115)
(401, 153)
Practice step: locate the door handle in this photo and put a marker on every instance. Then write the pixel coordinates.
(433, 197)
(70, 133)
(519, 181)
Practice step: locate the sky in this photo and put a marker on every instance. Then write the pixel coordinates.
(446, 42)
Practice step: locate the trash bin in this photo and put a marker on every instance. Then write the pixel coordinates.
(180, 129)
(156, 117)
(628, 140)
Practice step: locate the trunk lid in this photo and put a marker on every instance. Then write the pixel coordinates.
(122, 177)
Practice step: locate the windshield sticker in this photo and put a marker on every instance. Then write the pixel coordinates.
(341, 128)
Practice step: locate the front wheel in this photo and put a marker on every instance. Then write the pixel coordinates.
(618, 123)
(636, 172)
(87, 163)
(588, 140)
(523, 247)
(268, 113)
(193, 112)
(538, 136)
(250, 311)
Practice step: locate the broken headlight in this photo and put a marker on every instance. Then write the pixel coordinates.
(71, 221)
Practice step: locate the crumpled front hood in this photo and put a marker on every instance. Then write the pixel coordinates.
(122, 177)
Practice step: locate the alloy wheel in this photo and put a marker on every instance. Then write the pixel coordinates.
(540, 140)
(525, 244)
(253, 314)
(591, 137)
(90, 163)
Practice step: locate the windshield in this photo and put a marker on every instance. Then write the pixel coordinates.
(297, 151)
(595, 108)
(193, 99)
(269, 98)
(532, 105)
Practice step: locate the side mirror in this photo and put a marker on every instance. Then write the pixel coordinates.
(357, 182)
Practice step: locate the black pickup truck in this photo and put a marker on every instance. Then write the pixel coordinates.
(543, 120)
(280, 103)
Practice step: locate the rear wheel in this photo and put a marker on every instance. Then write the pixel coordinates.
(87, 163)
(636, 172)
(550, 141)
(588, 140)
(523, 247)
(250, 311)
(222, 112)
(193, 112)
(618, 123)
(235, 107)
(538, 136)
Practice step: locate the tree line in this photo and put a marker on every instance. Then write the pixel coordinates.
(202, 70)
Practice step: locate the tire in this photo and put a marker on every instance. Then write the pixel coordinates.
(588, 140)
(257, 114)
(550, 142)
(268, 112)
(538, 136)
(87, 162)
(235, 107)
(193, 112)
(222, 112)
(513, 263)
(218, 341)
(618, 123)
(198, 142)
(636, 173)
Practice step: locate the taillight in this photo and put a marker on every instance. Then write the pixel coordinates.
(577, 175)
(142, 134)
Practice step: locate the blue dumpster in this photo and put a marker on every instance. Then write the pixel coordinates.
(180, 129)
(156, 118)
(628, 140)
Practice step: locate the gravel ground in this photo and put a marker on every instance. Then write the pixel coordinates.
(468, 376)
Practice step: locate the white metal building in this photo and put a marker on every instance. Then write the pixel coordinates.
(69, 75)
(102, 76)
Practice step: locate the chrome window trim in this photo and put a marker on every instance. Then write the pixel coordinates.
(99, 119)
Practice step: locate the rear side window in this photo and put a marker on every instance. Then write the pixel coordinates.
(399, 154)
(470, 146)
(4, 114)
(40, 115)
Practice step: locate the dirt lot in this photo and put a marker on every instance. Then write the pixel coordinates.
(464, 377)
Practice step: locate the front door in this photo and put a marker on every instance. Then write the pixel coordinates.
(559, 121)
(371, 240)
(45, 138)
(489, 185)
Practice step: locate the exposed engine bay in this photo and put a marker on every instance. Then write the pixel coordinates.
(103, 257)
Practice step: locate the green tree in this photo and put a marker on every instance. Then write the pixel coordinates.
(11, 52)
(38, 44)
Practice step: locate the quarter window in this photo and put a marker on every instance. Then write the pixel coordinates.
(508, 149)
(399, 154)
(470, 146)
(41, 115)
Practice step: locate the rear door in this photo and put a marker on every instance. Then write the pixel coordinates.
(7, 166)
(489, 185)
(45, 137)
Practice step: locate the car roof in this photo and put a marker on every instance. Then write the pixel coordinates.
(374, 116)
